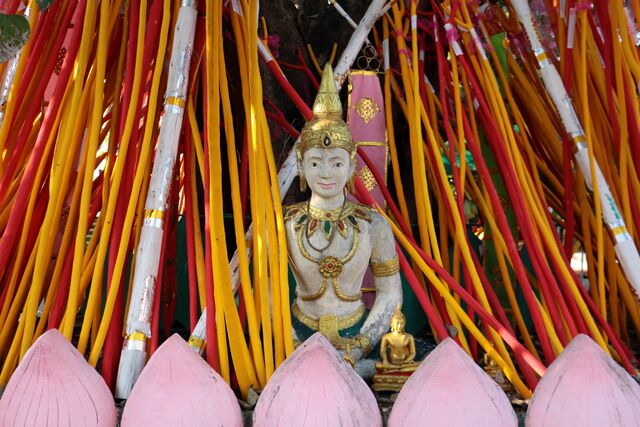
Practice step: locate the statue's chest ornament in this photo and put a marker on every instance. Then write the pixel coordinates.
(311, 220)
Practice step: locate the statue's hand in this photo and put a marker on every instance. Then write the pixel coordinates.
(296, 341)
(356, 353)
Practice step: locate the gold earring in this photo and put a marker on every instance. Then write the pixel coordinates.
(351, 183)
(303, 183)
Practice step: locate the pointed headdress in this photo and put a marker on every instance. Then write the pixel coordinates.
(326, 129)
(398, 315)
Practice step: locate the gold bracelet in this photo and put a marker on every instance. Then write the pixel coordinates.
(386, 268)
(363, 342)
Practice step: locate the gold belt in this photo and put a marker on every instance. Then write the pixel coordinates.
(342, 322)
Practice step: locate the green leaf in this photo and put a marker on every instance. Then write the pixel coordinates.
(44, 4)
(14, 32)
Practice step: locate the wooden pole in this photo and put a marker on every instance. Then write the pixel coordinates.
(288, 170)
(138, 327)
(625, 247)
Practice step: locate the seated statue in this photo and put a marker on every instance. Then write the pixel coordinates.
(331, 240)
(397, 348)
(397, 351)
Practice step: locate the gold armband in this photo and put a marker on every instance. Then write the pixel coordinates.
(385, 268)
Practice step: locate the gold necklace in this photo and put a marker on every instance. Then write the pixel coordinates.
(328, 217)
(329, 267)
(307, 220)
(314, 219)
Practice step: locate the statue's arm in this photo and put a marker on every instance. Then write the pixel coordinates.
(386, 278)
(383, 351)
(412, 349)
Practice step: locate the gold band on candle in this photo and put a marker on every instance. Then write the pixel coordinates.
(178, 102)
(136, 341)
(198, 343)
(154, 218)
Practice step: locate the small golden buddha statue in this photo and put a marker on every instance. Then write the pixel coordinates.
(397, 351)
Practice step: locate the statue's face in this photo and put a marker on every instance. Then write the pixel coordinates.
(327, 170)
(398, 325)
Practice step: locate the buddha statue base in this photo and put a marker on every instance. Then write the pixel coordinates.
(392, 378)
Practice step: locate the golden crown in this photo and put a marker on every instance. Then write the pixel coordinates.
(398, 315)
(326, 129)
